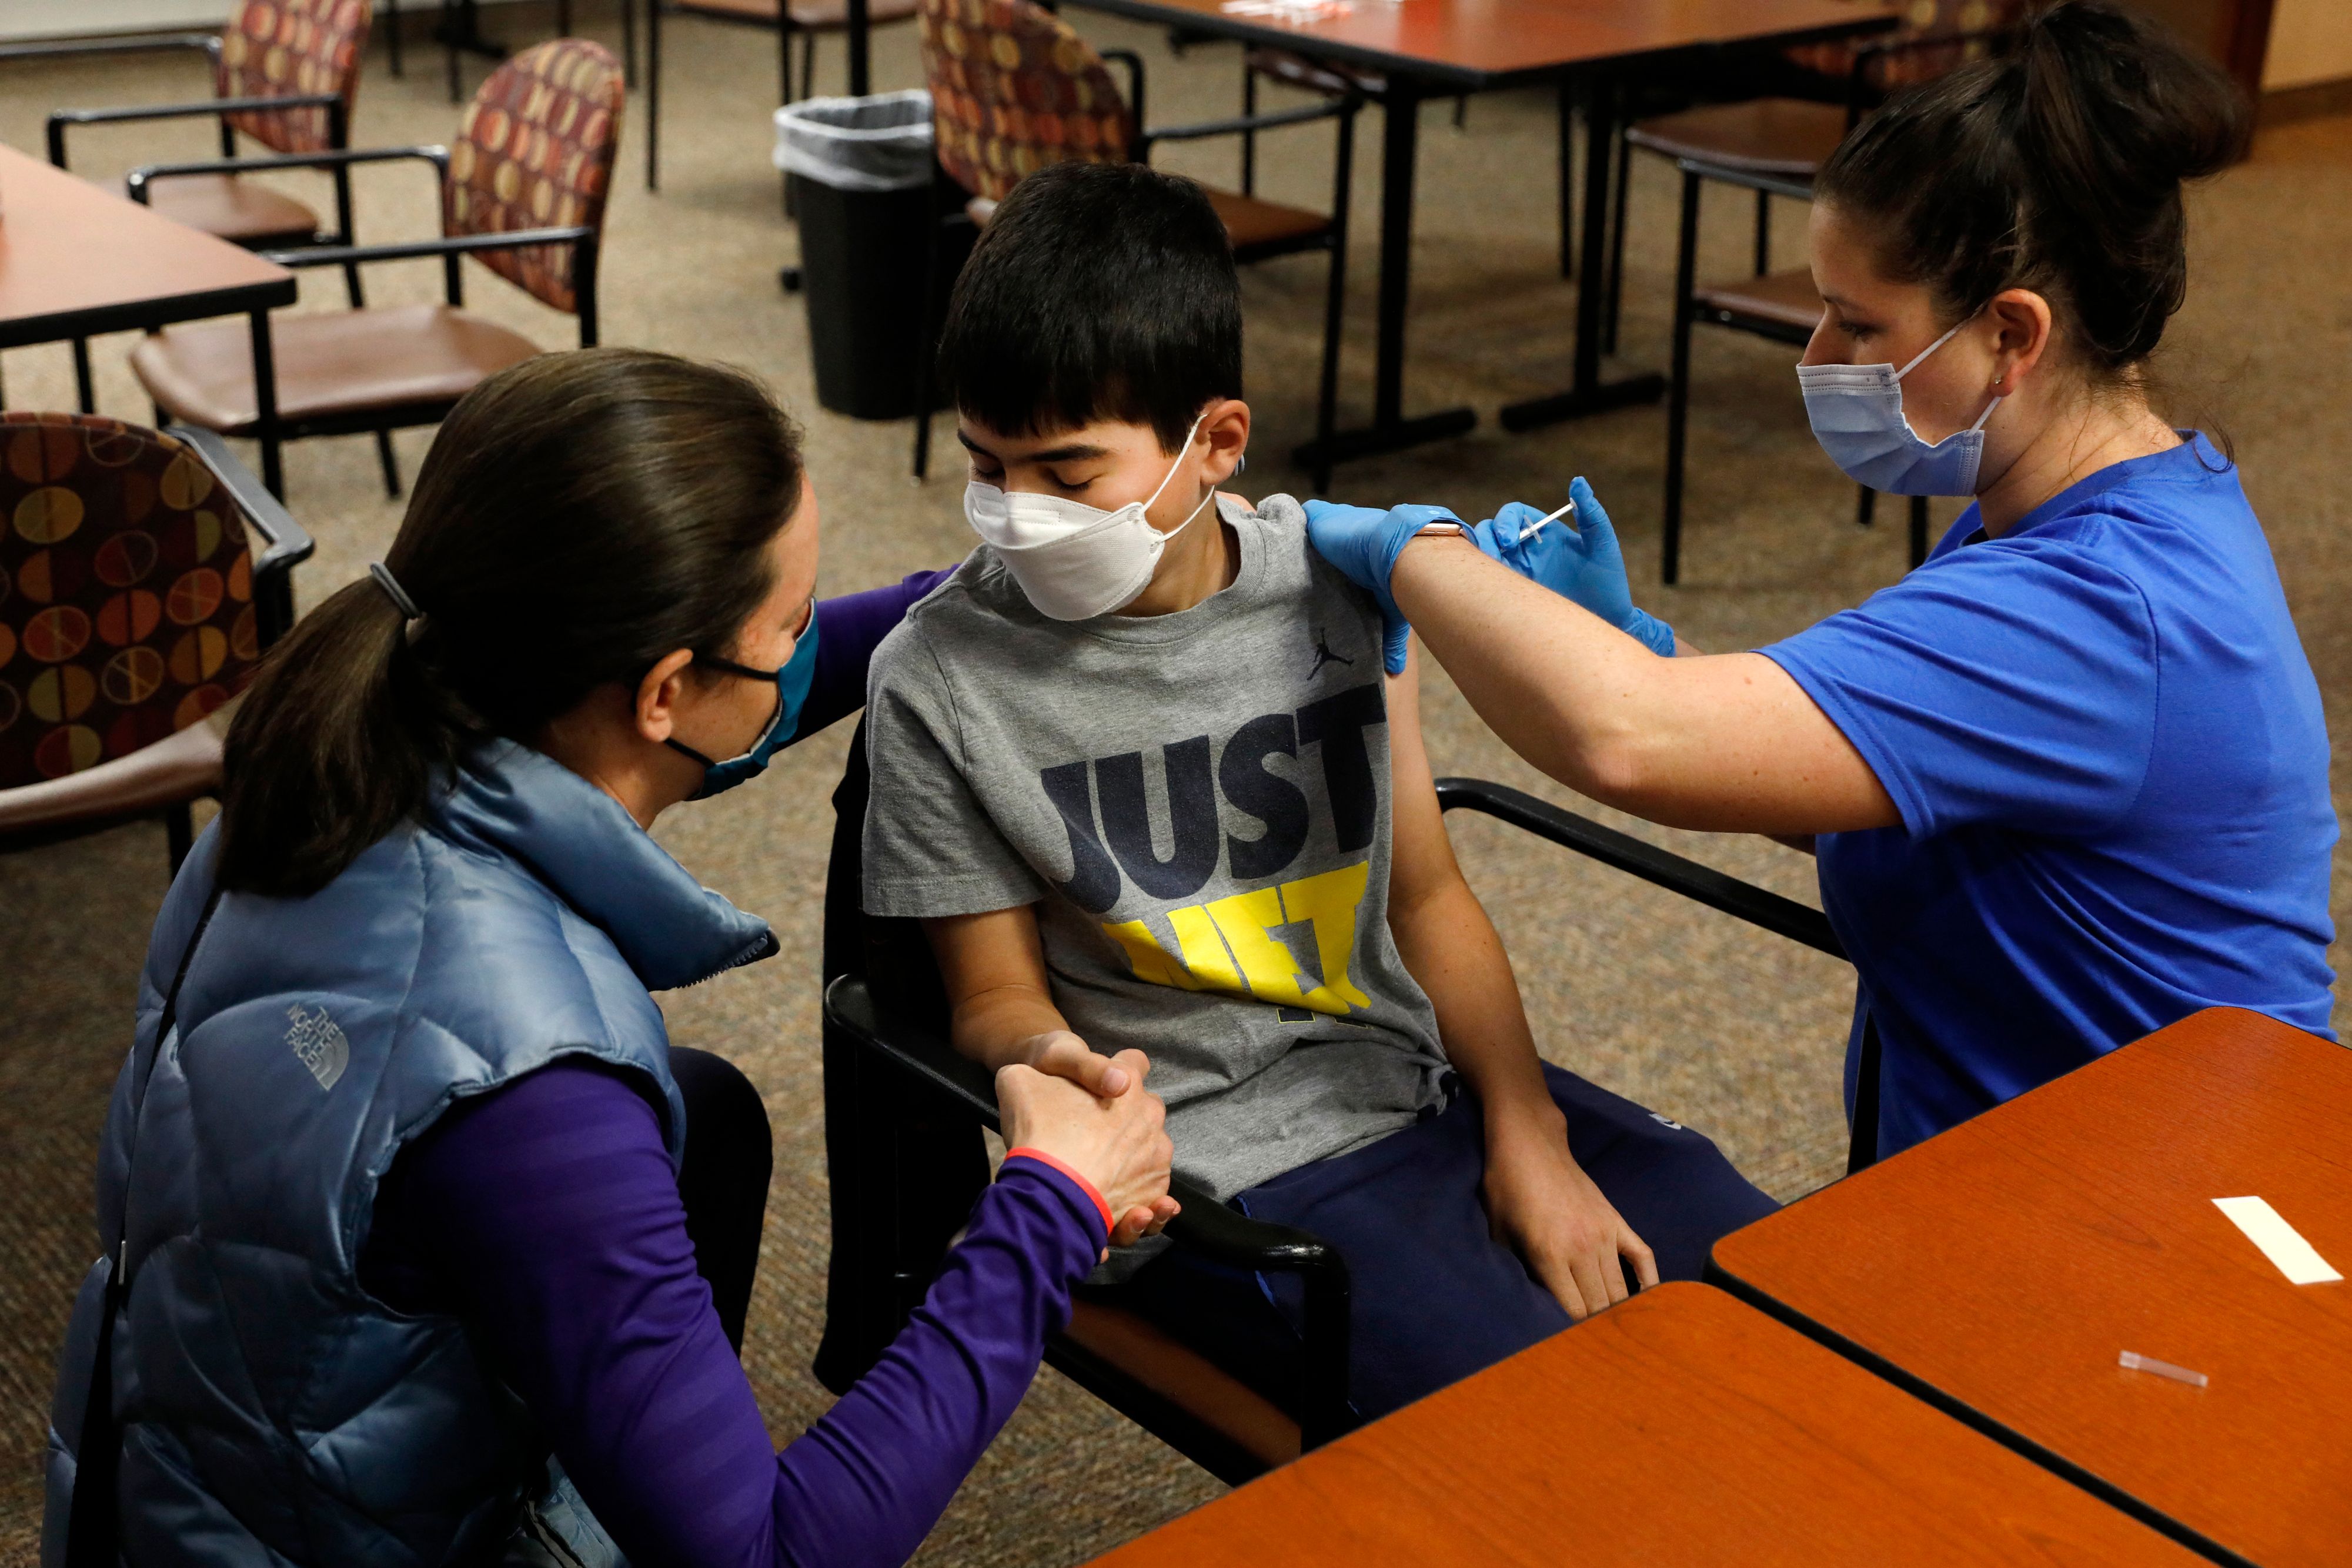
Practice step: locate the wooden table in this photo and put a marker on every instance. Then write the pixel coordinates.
(1427, 47)
(1680, 1427)
(2001, 1268)
(77, 260)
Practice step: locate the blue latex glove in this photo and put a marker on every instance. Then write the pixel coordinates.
(1364, 543)
(1581, 563)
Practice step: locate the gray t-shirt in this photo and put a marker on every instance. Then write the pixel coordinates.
(1198, 805)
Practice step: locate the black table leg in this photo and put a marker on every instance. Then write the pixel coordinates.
(1390, 430)
(85, 387)
(652, 95)
(859, 43)
(1589, 393)
(460, 32)
(265, 405)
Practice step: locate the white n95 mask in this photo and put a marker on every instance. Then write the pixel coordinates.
(1075, 561)
(1857, 413)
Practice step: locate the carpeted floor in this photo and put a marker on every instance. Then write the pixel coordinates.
(1727, 1029)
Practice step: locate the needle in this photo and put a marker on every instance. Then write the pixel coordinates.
(1538, 526)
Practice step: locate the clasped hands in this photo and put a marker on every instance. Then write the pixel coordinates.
(1576, 558)
(1093, 1113)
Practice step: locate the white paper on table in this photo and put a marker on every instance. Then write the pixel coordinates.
(2280, 1242)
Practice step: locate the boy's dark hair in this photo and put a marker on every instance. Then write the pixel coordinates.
(1097, 291)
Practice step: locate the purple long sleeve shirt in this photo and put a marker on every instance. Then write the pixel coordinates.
(547, 1214)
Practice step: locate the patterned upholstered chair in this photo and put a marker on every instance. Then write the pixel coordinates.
(133, 607)
(284, 75)
(523, 190)
(1774, 146)
(1013, 89)
(803, 19)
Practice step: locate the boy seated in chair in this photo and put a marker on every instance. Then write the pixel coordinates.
(1138, 773)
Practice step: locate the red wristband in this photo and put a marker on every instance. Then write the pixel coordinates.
(1042, 1158)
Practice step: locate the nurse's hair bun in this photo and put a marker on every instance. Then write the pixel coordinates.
(2056, 167)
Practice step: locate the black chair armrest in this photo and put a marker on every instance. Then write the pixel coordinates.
(406, 250)
(62, 49)
(1330, 109)
(849, 1004)
(288, 542)
(138, 180)
(1205, 1225)
(285, 541)
(269, 104)
(1664, 868)
(211, 108)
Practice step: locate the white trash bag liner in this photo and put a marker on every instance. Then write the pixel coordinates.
(882, 143)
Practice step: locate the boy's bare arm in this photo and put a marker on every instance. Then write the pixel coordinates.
(1537, 1197)
(1001, 1010)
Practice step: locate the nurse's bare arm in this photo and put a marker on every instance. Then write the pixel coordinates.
(1724, 742)
(1001, 1008)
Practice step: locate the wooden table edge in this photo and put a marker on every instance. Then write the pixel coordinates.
(1449, 78)
(1967, 1415)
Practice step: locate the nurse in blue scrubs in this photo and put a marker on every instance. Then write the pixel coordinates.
(2067, 781)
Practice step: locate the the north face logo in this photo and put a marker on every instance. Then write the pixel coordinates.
(319, 1045)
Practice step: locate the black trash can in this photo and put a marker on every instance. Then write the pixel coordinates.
(869, 214)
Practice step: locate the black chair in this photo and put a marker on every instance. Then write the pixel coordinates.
(905, 1160)
(393, 368)
(1775, 147)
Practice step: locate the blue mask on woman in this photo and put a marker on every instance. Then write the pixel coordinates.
(1857, 413)
(792, 682)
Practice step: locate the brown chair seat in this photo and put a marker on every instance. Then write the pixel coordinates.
(1186, 1378)
(1784, 298)
(1252, 223)
(329, 363)
(243, 211)
(1328, 76)
(1784, 136)
(177, 768)
(809, 16)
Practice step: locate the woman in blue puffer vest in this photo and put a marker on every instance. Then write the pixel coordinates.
(421, 1243)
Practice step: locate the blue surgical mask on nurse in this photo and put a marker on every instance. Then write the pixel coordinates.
(1857, 413)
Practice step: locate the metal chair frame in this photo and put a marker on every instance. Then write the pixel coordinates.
(1859, 95)
(786, 31)
(209, 44)
(277, 429)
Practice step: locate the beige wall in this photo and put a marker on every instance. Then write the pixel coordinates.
(2311, 41)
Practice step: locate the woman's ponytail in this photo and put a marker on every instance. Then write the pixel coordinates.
(2057, 168)
(340, 738)
(579, 518)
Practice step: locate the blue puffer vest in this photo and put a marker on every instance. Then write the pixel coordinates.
(272, 1411)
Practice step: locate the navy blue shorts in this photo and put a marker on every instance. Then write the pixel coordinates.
(1435, 1296)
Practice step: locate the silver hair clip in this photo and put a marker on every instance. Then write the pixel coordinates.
(394, 592)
